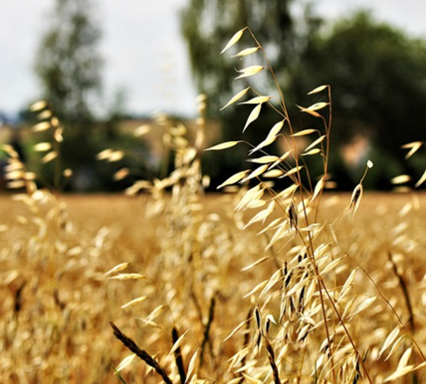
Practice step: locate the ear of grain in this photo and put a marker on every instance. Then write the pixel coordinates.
(192, 364)
(272, 136)
(225, 145)
(250, 71)
(118, 268)
(318, 89)
(235, 98)
(135, 301)
(128, 276)
(256, 173)
(247, 51)
(304, 132)
(234, 179)
(125, 362)
(389, 340)
(315, 143)
(356, 198)
(234, 40)
(178, 343)
(254, 114)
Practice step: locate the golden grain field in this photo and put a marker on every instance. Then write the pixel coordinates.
(57, 302)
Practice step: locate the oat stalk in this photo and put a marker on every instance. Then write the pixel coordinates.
(206, 338)
(178, 357)
(271, 357)
(143, 355)
(405, 293)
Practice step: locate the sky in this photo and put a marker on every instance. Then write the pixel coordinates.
(143, 51)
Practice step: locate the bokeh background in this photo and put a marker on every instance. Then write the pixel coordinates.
(145, 58)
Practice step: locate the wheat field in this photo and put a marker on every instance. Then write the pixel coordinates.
(57, 302)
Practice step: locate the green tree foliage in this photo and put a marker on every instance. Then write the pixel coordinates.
(69, 67)
(68, 63)
(378, 78)
(207, 26)
(377, 73)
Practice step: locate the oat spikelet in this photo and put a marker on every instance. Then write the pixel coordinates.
(356, 198)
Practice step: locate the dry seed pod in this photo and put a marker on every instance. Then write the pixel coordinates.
(41, 147)
(115, 156)
(288, 278)
(257, 100)
(292, 215)
(254, 114)
(356, 198)
(249, 71)
(272, 135)
(257, 172)
(318, 89)
(401, 179)
(267, 326)
(421, 180)
(134, 301)
(257, 315)
(43, 126)
(44, 115)
(38, 106)
(118, 268)
(224, 145)
(103, 155)
(414, 147)
(304, 132)
(142, 130)
(234, 40)
(247, 51)
(238, 96)
(314, 143)
(49, 157)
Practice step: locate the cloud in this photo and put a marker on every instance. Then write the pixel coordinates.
(141, 38)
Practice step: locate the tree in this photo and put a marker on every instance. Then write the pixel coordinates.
(208, 25)
(68, 63)
(377, 74)
(69, 67)
(378, 79)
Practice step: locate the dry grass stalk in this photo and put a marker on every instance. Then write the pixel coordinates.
(143, 355)
(271, 357)
(178, 357)
(206, 338)
(405, 293)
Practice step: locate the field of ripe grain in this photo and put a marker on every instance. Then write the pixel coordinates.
(187, 268)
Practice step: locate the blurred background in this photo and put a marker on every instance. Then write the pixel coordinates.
(108, 68)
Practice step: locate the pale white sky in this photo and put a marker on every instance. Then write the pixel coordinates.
(142, 47)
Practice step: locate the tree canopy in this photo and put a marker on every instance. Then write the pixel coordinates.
(68, 63)
(207, 26)
(69, 66)
(377, 72)
(378, 77)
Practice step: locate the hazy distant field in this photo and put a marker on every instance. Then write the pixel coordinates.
(56, 303)
(95, 210)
